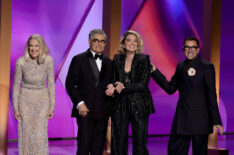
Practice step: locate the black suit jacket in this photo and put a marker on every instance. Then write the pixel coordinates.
(136, 90)
(85, 83)
(197, 108)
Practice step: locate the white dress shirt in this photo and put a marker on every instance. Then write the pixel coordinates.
(98, 61)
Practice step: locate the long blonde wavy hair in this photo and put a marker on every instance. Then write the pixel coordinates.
(44, 51)
(140, 45)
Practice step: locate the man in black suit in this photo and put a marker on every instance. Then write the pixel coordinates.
(197, 111)
(88, 76)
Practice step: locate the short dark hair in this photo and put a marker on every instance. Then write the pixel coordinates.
(191, 38)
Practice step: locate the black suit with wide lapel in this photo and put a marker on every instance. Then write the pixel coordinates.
(137, 90)
(133, 105)
(85, 83)
(197, 109)
(95, 70)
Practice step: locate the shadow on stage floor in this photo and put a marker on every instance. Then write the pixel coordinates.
(156, 145)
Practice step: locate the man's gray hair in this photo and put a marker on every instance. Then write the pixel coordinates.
(97, 31)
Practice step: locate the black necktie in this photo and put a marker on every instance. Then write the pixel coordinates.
(100, 56)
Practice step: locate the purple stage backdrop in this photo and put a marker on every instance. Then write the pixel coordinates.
(163, 24)
(65, 26)
(227, 63)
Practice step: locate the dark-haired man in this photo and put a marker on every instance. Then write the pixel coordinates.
(197, 109)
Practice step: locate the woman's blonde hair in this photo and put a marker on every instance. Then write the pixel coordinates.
(44, 51)
(122, 49)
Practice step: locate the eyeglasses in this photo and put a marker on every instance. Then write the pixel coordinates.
(96, 41)
(187, 48)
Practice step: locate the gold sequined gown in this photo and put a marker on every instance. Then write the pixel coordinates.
(33, 97)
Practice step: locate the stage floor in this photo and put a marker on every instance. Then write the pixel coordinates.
(156, 145)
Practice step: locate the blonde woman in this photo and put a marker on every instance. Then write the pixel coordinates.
(132, 99)
(33, 101)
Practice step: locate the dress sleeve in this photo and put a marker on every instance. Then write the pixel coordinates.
(17, 82)
(51, 85)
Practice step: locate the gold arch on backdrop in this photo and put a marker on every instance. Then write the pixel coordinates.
(211, 46)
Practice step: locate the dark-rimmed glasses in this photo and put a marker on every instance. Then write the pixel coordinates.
(187, 48)
(96, 41)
